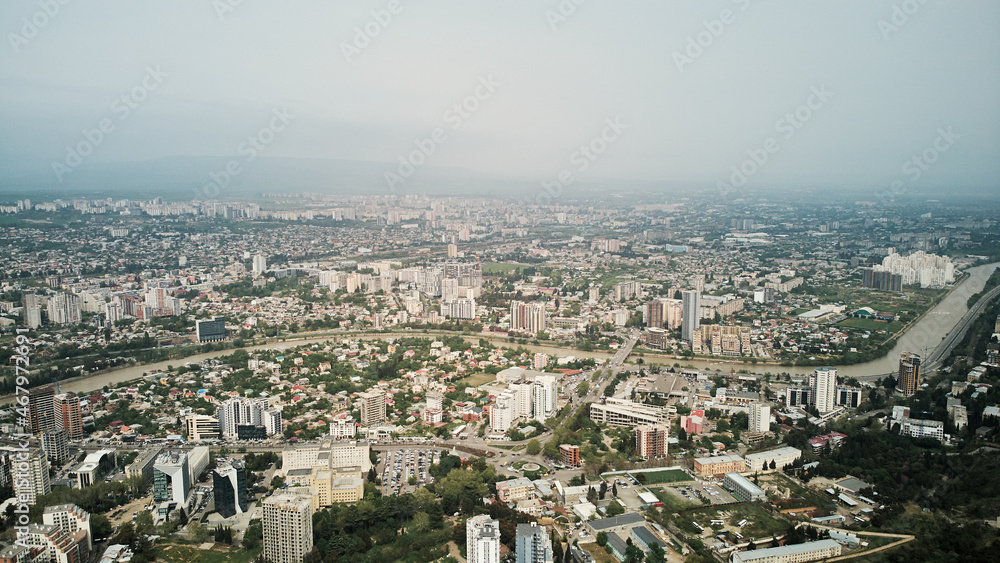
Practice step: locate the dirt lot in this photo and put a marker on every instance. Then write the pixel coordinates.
(126, 511)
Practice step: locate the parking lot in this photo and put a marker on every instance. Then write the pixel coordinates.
(399, 466)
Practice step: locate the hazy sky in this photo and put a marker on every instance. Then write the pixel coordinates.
(894, 79)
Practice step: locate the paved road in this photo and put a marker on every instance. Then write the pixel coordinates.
(958, 333)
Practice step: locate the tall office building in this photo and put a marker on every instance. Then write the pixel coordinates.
(288, 533)
(229, 485)
(68, 417)
(171, 481)
(482, 539)
(532, 544)
(690, 314)
(909, 373)
(760, 418)
(651, 440)
(41, 409)
(823, 389)
(545, 392)
(211, 331)
(527, 317)
(372, 408)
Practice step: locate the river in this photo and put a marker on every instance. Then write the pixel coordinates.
(927, 333)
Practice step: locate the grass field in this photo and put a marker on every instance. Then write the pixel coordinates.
(174, 553)
(667, 476)
(475, 380)
(672, 501)
(871, 324)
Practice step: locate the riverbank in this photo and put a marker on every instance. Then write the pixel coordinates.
(929, 332)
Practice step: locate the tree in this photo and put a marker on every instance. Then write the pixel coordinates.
(604, 490)
(100, 526)
(656, 554)
(197, 531)
(633, 554)
(615, 508)
(534, 447)
(144, 522)
(602, 539)
(772, 464)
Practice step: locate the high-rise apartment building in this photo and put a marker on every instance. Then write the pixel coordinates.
(55, 445)
(482, 539)
(545, 397)
(72, 520)
(909, 373)
(64, 309)
(760, 418)
(31, 481)
(690, 314)
(372, 408)
(651, 440)
(259, 264)
(67, 412)
(503, 412)
(288, 533)
(532, 544)
(41, 409)
(527, 317)
(823, 389)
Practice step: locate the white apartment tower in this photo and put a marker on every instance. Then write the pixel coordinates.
(288, 533)
(823, 385)
(690, 314)
(482, 539)
(760, 418)
(545, 397)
